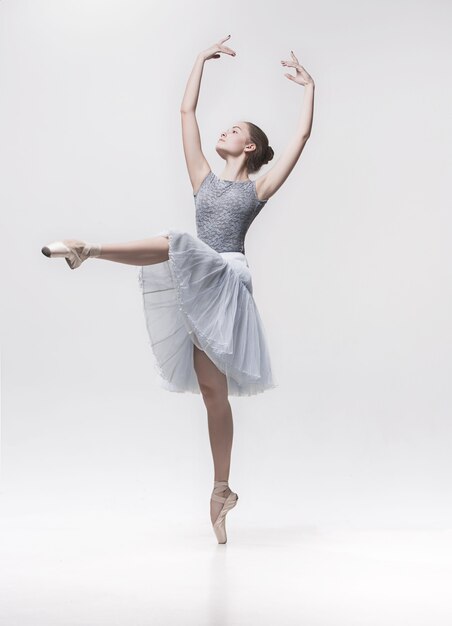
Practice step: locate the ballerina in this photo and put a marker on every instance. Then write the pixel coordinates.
(203, 324)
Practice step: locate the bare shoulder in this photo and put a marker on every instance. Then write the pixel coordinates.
(198, 176)
(269, 183)
(262, 189)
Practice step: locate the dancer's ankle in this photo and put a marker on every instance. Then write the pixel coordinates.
(94, 249)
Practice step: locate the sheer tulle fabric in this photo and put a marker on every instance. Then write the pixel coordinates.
(203, 297)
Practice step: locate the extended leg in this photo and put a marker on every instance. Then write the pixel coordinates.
(137, 252)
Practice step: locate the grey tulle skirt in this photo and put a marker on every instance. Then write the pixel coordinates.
(203, 297)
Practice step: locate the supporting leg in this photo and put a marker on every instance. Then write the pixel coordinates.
(213, 385)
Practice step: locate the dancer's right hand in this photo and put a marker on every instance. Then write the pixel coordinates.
(214, 51)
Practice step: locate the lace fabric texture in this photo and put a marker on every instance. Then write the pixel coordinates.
(204, 297)
(224, 212)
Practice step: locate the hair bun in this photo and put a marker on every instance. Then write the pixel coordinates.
(269, 154)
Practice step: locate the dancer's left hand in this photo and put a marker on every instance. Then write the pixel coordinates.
(301, 77)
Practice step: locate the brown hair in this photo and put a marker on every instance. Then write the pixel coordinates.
(263, 152)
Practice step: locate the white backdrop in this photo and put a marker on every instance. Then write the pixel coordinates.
(351, 259)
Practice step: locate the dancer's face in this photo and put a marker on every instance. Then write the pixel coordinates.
(233, 140)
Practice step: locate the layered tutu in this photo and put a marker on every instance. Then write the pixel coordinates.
(203, 297)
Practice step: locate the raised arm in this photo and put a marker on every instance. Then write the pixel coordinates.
(271, 181)
(197, 164)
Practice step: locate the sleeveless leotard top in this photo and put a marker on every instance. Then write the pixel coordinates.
(225, 210)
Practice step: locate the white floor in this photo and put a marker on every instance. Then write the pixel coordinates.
(99, 568)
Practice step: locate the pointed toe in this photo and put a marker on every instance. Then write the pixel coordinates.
(229, 503)
(72, 250)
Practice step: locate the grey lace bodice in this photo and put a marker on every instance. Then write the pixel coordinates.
(224, 212)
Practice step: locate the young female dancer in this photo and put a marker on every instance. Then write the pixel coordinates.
(203, 324)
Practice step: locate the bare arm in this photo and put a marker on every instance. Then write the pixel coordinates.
(272, 180)
(197, 164)
(190, 99)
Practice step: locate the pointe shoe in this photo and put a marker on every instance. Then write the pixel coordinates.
(75, 251)
(219, 526)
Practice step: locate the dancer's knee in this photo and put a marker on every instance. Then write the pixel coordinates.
(214, 395)
(160, 245)
(212, 382)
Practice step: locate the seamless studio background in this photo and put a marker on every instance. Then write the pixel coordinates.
(351, 264)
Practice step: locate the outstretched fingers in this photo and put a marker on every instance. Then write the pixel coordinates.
(226, 49)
